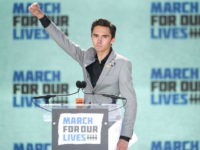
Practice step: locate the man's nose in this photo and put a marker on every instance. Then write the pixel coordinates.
(99, 40)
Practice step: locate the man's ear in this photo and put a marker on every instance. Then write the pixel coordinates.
(112, 40)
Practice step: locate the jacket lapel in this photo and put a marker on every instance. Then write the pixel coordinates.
(107, 67)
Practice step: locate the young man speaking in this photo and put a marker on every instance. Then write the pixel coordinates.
(104, 70)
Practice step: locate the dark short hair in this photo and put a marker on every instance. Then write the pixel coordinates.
(105, 23)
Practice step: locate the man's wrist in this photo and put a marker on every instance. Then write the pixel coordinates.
(45, 21)
(124, 138)
(40, 16)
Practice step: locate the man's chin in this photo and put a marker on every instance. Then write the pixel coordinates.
(99, 49)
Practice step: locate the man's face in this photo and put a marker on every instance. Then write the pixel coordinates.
(102, 39)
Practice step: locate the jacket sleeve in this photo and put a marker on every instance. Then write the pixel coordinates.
(65, 43)
(127, 91)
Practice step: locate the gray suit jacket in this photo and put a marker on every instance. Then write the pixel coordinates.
(115, 79)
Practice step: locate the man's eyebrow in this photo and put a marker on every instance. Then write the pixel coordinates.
(98, 34)
(106, 35)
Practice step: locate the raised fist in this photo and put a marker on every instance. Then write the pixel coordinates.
(35, 10)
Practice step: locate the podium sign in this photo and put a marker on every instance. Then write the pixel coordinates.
(80, 129)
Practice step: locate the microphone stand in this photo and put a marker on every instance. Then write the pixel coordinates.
(79, 84)
(113, 97)
(47, 97)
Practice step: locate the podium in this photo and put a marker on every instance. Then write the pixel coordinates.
(83, 126)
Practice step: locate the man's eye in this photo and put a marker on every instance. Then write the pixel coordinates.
(95, 35)
(105, 36)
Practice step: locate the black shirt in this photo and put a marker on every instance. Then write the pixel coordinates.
(96, 68)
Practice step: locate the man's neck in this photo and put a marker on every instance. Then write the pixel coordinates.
(102, 55)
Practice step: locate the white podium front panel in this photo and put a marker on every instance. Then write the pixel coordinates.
(80, 129)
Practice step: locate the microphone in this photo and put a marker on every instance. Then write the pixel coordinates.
(113, 96)
(84, 84)
(45, 97)
(81, 84)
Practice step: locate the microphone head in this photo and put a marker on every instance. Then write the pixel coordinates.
(84, 84)
(78, 84)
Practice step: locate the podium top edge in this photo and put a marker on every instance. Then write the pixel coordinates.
(51, 105)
